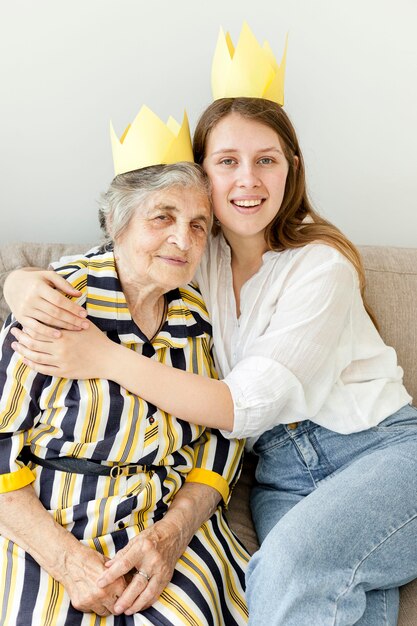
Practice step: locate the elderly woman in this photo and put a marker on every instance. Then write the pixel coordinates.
(90, 470)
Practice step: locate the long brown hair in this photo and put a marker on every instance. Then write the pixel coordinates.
(296, 224)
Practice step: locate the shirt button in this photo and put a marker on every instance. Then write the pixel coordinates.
(293, 425)
(151, 420)
(121, 525)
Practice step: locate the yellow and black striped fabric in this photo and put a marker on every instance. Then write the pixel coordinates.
(101, 421)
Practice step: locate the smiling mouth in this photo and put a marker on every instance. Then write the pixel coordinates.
(248, 207)
(174, 260)
(247, 203)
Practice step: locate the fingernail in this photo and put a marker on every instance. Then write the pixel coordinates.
(13, 345)
(83, 313)
(85, 325)
(57, 333)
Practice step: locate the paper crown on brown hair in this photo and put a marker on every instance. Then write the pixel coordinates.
(249, 70)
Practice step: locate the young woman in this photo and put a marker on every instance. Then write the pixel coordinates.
(306, 377)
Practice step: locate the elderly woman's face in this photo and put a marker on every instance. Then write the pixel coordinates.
(165, 239)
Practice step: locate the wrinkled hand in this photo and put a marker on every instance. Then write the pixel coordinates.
(80, 581)
(37, 304)
(155, 551)
(73, 355)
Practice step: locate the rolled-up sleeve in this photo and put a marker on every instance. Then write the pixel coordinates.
(20, 387)
(217, 462)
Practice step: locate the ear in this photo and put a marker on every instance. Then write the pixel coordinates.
(296, 162)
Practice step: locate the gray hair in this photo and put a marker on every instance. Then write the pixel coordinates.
(129, 191)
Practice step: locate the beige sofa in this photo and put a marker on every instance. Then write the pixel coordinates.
(391, 291)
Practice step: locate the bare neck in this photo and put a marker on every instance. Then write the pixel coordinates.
(246, 261)
(146, 303)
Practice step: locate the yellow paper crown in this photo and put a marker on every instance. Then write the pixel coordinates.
(249, 70)
(148, 141)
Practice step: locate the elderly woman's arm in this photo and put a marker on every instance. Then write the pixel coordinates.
(157, 549)
(23, 518)
(216, 468)
(25, 521)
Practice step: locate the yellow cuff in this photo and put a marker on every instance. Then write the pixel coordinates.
(210, 478)
(16, 480)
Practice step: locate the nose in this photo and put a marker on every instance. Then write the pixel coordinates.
(181, 236)
(247, 176)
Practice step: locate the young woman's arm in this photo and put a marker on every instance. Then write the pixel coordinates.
(90, 354)
(287, 373)
(36, 302)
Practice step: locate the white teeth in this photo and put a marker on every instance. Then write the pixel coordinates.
(247, 203)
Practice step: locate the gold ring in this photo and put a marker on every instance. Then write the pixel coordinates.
(142, 573)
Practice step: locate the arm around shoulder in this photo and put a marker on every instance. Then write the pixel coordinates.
(36, 299)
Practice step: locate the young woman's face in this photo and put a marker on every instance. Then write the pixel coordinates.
(248, 170)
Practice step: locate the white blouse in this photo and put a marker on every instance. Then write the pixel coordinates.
(303, 347)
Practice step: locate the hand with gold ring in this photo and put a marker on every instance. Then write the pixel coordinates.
(142, 573)
(148, 563)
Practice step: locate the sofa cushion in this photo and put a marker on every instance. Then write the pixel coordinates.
(391, 290)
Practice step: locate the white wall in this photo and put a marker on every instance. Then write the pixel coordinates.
(66, 68)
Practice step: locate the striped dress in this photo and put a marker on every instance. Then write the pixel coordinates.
(101, 421)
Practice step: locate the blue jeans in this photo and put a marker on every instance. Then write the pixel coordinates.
(337, 519)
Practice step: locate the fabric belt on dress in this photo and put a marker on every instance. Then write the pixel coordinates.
(81, 466)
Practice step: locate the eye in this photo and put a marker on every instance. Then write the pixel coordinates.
(228, 161)
(266, 161)
(162, 218)
(199, 227)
